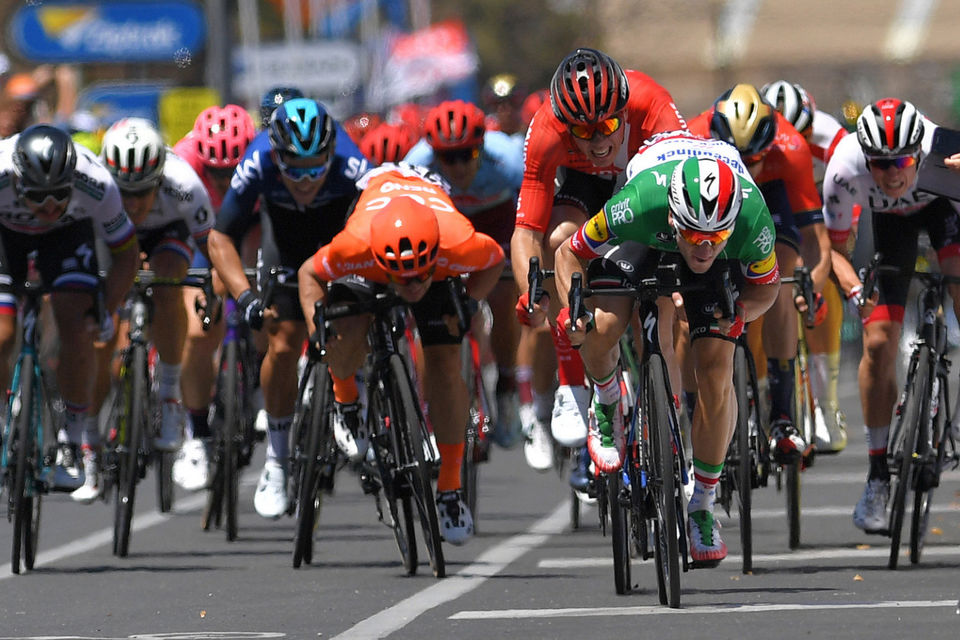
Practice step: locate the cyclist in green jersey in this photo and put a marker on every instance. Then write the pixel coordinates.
(689, 202)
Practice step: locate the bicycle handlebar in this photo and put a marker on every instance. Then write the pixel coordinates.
(804, 282)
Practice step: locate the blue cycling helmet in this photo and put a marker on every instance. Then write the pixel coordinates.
(302, 127)
(273, 98)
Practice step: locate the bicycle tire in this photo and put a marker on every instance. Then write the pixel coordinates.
(164, 470)
(232, 393)
(23, 439)
(212, 509)
(130, 460)
(663, 483)
(804, 421)
(744, 470)
(924, 490)
(412, 437)
(792, 473)
(904, 444)
(309, 496)
(619, 532)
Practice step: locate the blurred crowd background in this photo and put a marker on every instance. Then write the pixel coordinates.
(83, 64)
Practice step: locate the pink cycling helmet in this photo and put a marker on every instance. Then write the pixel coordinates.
(221, 135)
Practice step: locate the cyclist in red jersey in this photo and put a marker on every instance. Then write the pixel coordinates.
(405, 232)
(779, 160)
(597, 117)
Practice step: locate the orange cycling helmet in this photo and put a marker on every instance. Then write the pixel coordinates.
(587, 87)
(387, 143)
(405, 237)
(455, 124)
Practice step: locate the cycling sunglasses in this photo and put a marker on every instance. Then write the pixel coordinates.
(457, 156)
(37, 197)
(588, 131)
(754, 158)
(882, 163)
(697, 238)
(298, 174)
(423, 277)
(138, 193)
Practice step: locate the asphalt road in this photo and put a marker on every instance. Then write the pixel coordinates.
(526, 574)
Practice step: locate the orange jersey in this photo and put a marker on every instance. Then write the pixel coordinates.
(549, 145)
(786, 179)
(462, 249)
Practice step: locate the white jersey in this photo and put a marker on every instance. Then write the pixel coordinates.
(678, 145)
(826, 135)
(95, 196)
(850, 191)
(181, 196)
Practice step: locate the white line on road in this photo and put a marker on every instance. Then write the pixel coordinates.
(834, 553)
(697, 610)
(489, 563)
(820, 512)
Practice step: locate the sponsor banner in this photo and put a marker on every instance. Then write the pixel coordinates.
(111, 101)
(109, 31)
(326, 68)
(178, 108)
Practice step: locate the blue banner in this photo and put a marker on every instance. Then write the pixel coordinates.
(109, 31)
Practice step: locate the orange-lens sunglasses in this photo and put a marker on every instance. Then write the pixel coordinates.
(697, 238)
(588, 131)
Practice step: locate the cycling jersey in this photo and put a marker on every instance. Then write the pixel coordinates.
(786, 178)
(187, 150)
(549, 146)
(95, 196)
(827, 133)
(462, 250)
(639, 213)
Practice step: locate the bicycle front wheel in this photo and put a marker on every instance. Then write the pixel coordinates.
(318, 438)
(135, 398)
(23, 443)
(412, 440)
(230, 476)
(904, 444)
(663, 483)
(928, 475)
(744, 470)
(619, 531)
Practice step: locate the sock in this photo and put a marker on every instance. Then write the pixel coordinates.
(705, 478)
(74, 422)
(198, 423)
(523, 375)
(451, 456)
(345, 389)
(782, 387)
(542, 406)
(91, 433)
(569, 364)
(168, 381)
(877, 449)
(833, 379)
(506, 382)
(278, 439)
(817, 370)
(607, 389)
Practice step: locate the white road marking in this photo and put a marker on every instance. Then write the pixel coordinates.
(697, 610)
(488, 564)
(831, 511)
(832, 553)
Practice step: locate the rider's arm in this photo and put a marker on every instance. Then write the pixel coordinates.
(757, 298)
(567, 263)
(312, 288)
(123, 269)
(524, 244)
(815, 251)
(485, 257)
(226, 260)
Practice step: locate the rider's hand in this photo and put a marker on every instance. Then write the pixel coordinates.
(861, 306)
(566, 324)
(819, 308)
(731, 329)
(539, 315)
(252, 309)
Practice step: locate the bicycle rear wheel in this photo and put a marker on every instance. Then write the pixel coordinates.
(663, 483)
(135, 397)
(23, 442)
(316, 452)
(232, 380)
(928, 474)
(743, 475)
(164, 470)
(904, 442)
(619, 531)
(412, 439)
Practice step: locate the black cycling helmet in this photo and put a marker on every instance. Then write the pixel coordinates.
(44, 159)
(587, 87)
(273, 98)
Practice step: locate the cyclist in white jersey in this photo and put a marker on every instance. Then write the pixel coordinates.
(56, 200)
(875, 173)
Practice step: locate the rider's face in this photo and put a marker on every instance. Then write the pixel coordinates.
(699, 257)
(894, 180)
(601, 150)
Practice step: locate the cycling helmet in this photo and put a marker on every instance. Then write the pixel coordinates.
(502, 87)
(302, 127)
(221, 134)
(44, 159)
(792, 101)
(134, 153)
(405, 237)
(588, 86)
(273, 98)
(387, 143)
(360, 124)
(455, 124)
(742, 118)
(890, 127)
(704, 195)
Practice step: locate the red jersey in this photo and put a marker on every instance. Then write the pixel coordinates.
(188, 151)
(462, 249)
(786, 180)
(549, 145)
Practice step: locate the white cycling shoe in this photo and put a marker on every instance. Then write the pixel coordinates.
(270, 500)
(569, 420)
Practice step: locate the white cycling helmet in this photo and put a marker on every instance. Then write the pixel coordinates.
(890, 127)
(134, 153)
(792, 101)
(704, 195)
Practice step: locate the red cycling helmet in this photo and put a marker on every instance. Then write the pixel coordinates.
(455, 124)
(405, 237)
(587, 87)
(221, 135)
(387, 143)
(360, 124)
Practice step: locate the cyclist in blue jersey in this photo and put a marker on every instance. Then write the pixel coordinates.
(484, 170)
(302, 170)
